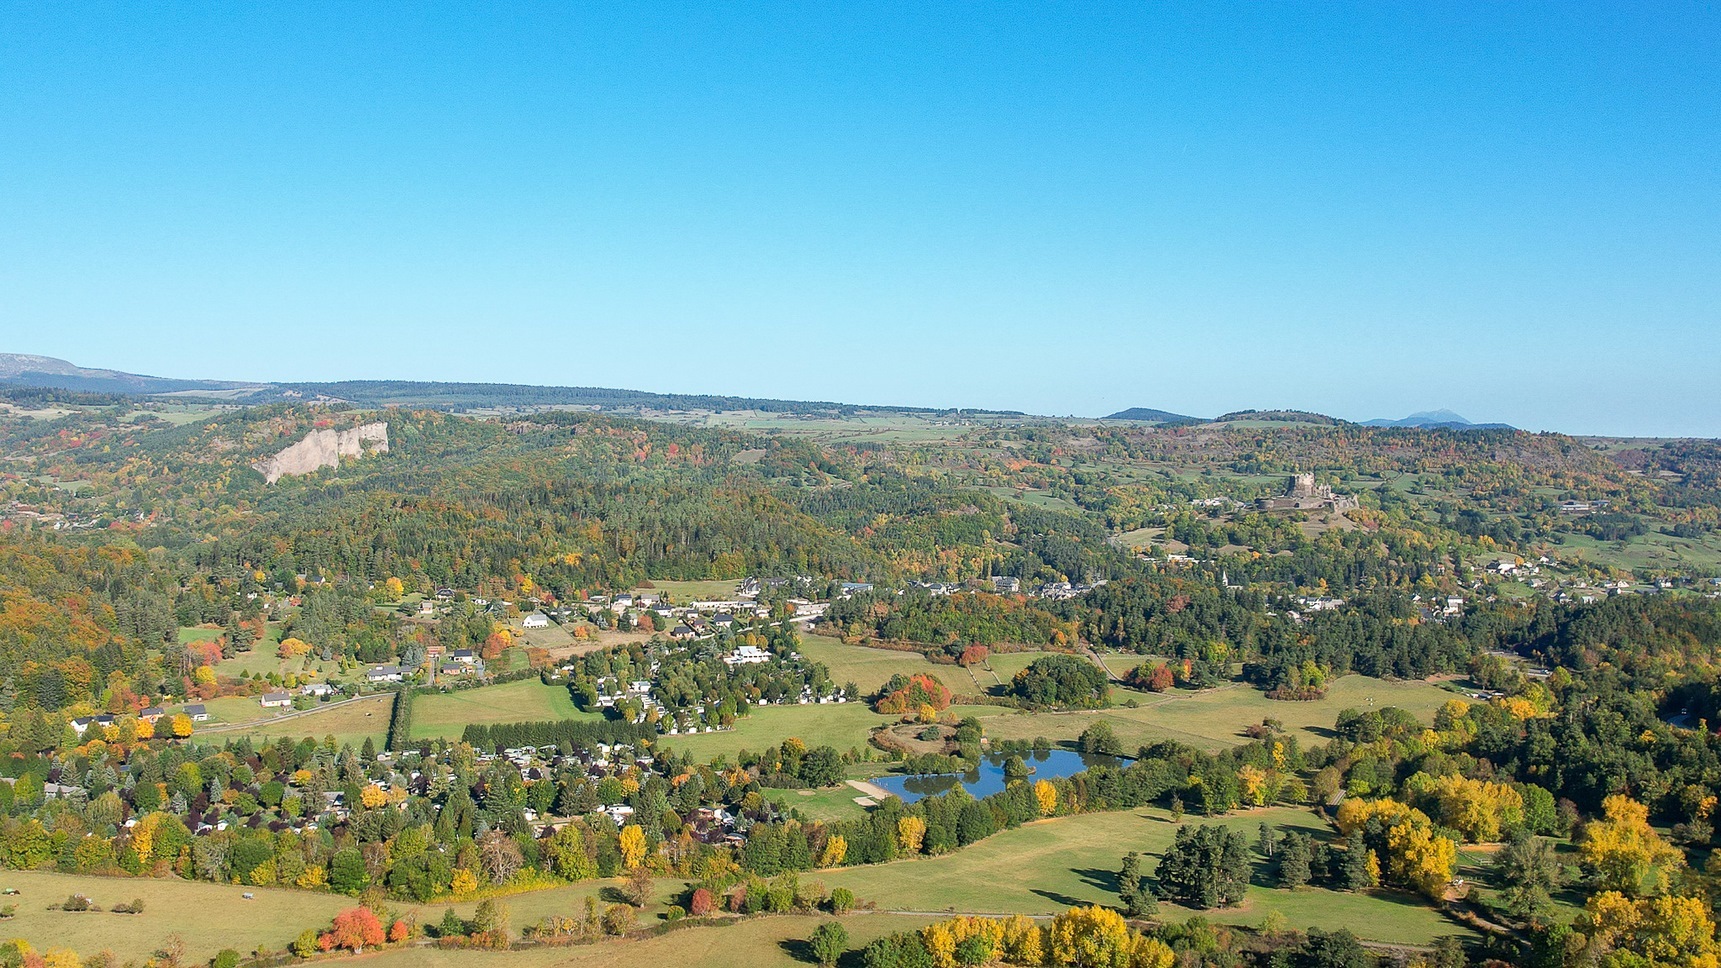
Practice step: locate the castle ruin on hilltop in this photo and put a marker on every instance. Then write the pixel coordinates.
(1303, 494)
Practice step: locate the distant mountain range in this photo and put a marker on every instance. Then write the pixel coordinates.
(1443, 419)
(46, 371)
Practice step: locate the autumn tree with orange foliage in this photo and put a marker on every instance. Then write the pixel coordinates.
(904, 693)
(354, 929)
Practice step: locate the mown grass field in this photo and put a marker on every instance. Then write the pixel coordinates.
(1000, 667)
(1215, 718)
(527, 700)
(868, 668)
(1044, 867)
(832, 803)
(208, 917)
(767, 942)
(842, 726)
(354, 722)
(1212, 719)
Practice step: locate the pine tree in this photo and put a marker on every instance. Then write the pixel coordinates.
(1137, 899)
(1354, 872)
(1295, 858)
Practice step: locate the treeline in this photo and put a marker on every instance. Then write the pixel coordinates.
(565, 734)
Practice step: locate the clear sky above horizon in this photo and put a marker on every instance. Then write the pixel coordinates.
(1509, 210)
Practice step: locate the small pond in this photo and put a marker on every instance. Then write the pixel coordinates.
(988, 777)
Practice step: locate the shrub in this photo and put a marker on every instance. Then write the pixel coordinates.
(702, 903)
(618, 919)
(227, 958)
(842, 900)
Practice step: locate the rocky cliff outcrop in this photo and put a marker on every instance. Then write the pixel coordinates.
(324, 448)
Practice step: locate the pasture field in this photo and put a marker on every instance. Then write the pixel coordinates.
(527, 700)
(237, 709)
(891, 428)
(865, 667)
(871, 668)
(1213, 719)
(1003, 667)
(843, 726)
(1031, 497)
(354, 722)
(558, 639)
(190, 635)
(207, 917)
(1645, 551)
(767, 942)
(1043, 867)
(261, 659)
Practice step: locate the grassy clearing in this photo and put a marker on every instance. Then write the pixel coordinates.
(871, 668)
(1215, 718)
(834, 803)
(528, 700)
(769, 942)
(1003, 666)
(1645, 551)
(1044, 867)
(868, 668)
(353, 723)
(208, 917)
(842, 726)
(237, 709)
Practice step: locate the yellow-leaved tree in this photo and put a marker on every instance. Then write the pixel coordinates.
(1089, 937)
(632, 846)
(1046, 795)
(1622, 848)
(464, 882)
(1662, 930)
(910, 834)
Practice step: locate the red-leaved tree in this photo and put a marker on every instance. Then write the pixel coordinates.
(353, 929)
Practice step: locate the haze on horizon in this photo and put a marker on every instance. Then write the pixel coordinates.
(1511, 212)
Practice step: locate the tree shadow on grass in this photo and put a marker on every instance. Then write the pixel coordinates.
(802, 950)
(1061, 898)
(1095, 877)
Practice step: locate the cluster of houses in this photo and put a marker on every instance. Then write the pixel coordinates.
(196, 712)
(1000, 584)
(711, 825)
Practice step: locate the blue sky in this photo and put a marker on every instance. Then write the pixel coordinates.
(1511, 210)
